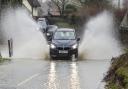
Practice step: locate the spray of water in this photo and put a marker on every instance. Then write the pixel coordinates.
(100, 40)
(28, 41)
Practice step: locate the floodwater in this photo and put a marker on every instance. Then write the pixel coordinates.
(52, 74)
(34, 73)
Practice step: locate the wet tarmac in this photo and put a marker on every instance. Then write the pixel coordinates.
(52, 74)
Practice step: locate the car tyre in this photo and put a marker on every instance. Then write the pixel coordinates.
(76, 55)
(52, 58)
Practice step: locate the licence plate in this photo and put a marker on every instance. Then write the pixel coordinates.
(63, 51)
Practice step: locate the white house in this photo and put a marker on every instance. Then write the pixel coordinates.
(32, 6)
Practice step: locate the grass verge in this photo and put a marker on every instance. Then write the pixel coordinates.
(62, 22)
(117, 76)
(4, 59)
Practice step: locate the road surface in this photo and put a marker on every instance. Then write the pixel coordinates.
(52, 74)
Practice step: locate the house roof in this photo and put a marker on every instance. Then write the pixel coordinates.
(34, 3)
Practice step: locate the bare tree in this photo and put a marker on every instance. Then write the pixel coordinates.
(61, 4)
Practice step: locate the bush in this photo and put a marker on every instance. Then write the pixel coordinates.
(70, 9)
(117, 77)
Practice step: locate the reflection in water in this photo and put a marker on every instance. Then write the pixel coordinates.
(52, 76)
(74, 77)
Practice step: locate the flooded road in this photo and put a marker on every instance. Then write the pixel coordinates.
(52, 74)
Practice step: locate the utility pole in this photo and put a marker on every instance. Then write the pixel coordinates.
(10, 47)
(0, 55)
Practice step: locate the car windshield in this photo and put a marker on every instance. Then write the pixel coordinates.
(42, 23)
(51, 30)
(64, 35)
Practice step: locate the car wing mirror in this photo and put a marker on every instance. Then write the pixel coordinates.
(50, 38)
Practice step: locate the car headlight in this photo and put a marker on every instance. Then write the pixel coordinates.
(48, 34)
(74, 46)
(52, 46)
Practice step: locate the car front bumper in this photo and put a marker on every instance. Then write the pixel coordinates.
(56, 53)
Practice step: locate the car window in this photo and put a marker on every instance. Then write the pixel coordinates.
(42, 23)
(52, 30)
(64, 35)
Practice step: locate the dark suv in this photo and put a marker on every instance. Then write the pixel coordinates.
(50, 30)
(64, 43)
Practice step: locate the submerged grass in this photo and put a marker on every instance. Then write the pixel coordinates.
(4, 59)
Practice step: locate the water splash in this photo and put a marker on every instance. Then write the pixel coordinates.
(28, 41)
(100, 40)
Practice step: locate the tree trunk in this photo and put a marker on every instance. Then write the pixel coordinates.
(63, 7)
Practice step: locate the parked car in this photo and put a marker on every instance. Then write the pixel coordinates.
(42, 22)
(50, 31)
(64, 43)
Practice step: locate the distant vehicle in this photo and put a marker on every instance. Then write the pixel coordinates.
(50, 30)
(41, 19)
(42, 24)
(64, 43)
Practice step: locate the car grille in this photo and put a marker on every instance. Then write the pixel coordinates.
(63, 48)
